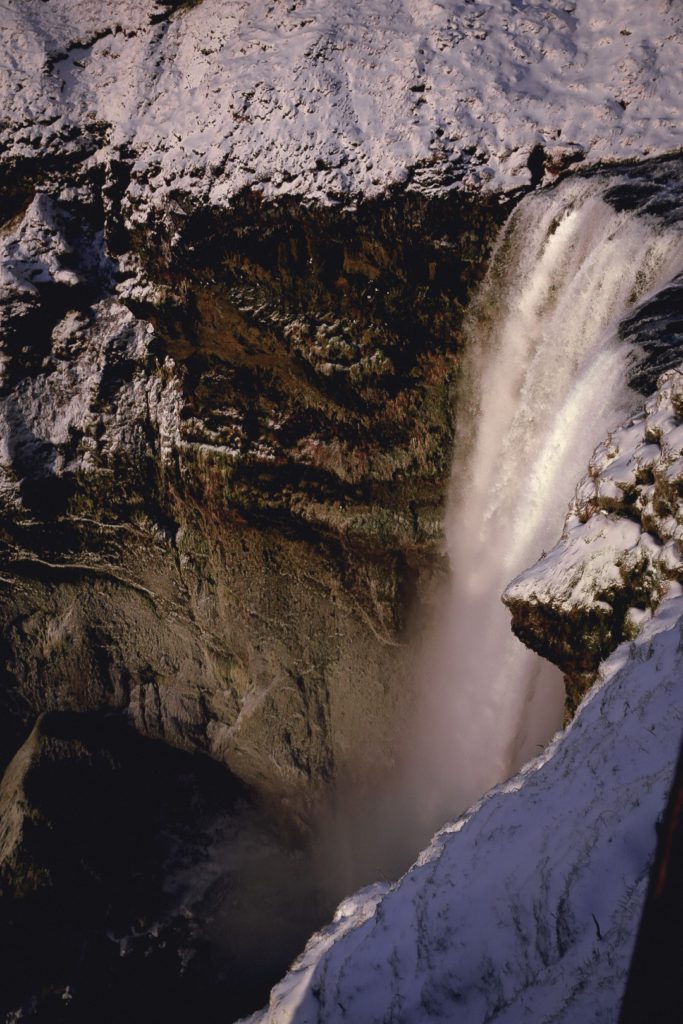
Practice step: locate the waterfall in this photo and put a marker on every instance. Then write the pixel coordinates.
(542, 382)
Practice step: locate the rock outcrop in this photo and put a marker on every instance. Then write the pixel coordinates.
(223, 477)
(237, 244)
(620, 551)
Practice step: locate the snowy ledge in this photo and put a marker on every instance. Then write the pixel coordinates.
(620, 550)
(527, 907)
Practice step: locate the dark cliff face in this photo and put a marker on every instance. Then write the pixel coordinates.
(226, 430)
(227, 439)
(653, 189)
(228, 442)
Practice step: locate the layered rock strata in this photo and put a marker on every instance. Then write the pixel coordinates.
(238, 241)
(225, 454)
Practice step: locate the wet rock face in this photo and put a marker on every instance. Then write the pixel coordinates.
(657, 329)
(226, 443)
(318, 349)
(620, 552)
(228, 334)
(653, 189)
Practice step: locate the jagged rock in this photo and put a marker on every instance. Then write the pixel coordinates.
(238, 240)
(237, 243)
(201, 461)
(620, 551)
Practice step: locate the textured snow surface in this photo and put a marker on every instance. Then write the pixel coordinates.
(328, 98)
(526, 909)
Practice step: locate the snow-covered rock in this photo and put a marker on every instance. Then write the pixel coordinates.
(620, 550)
(327, 100)
(527, 907)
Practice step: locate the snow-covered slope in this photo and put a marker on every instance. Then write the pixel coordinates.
(527, 908)
(323, 98)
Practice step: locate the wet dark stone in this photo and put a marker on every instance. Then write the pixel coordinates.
(536, 164)
(650, 188)
(656, 327)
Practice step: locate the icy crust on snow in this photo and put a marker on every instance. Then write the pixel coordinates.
(329, 99)
(623, 535)
(526, 908)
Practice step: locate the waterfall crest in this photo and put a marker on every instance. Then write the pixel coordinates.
(542, 382)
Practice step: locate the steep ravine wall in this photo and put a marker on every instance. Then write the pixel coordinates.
(227, 445)
(527, 906)
(228, 435)
(237, 242)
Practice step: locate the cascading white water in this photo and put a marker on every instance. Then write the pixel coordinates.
(543, 382)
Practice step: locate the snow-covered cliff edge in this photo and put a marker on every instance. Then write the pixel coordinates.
(527, 908)
(327, 101)
(620, 551)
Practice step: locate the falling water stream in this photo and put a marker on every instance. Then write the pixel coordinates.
(543, 382)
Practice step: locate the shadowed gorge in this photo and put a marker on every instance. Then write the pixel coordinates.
(249, 555)
(223, 485)
(341, 501)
